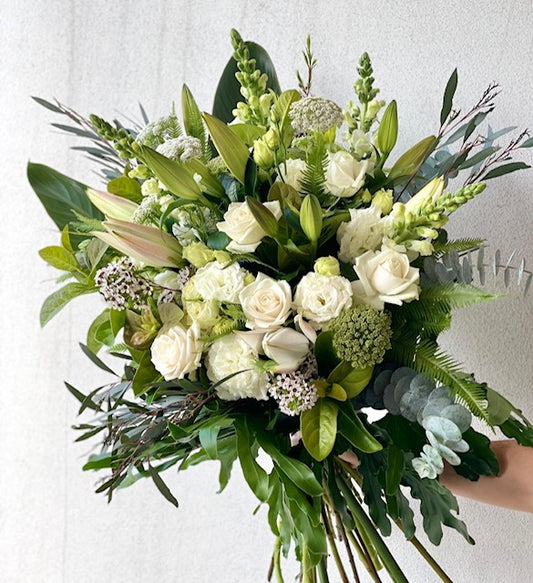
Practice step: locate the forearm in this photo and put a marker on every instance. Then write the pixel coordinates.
(512, 488)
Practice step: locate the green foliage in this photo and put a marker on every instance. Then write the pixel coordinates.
(63, 198)
(313, 178)
(319, 428)
(56, 301)
(479, 460)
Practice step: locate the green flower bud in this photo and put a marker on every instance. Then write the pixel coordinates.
(271, 138)
(263, 155)
(327, 266)
(140, 171)
(311, 217)
(383, 200)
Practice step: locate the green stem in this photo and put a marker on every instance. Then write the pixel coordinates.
(333, 545)
(308, 572)
(429, 559)
(277, 562)
(364, 555)
(323, 571)
(361, 517)
(342, 530)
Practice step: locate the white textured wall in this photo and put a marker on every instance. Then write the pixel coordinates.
(103, 57)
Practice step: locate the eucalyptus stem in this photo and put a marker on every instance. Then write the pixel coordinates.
(361, 517)
(425, 553)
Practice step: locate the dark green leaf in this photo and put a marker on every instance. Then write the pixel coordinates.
(527, 144)
(95, 360)
(449, 93)
(81, 397)
(146, 373)
(395, 463)
(62, 197)
(506, 169)
(228, 92)
(47, 104)
(161, 486)
(325, 354)
(254, 474)
(352, 429)
(479, 460)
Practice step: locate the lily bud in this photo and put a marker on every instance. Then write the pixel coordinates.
(311, 217)
(113, 207)
(427, 195)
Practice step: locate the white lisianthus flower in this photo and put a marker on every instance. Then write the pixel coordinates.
(176, 351)
(344, 174)
(286, 347)
(320, 298)
(363, 232)
(266, 302)
(229, 355)
(241, 227)
(385, 277)
(291, 172)
(215, 281)
(169, 279)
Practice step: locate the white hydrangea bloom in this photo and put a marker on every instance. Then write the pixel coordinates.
(181, 149)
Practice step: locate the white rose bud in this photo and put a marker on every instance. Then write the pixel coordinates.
(176, 351)
(363, 232)
(344, 174)
(241, 227)
(385, 277)
(266, 302)
(291, 172)
(320, 298)
(287, 348)
(229, 355)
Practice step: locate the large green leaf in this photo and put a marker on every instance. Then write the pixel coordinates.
(60, 298)
(319, 428)
(254, 474)
(228, 92)
(352, 428)
(61, 196)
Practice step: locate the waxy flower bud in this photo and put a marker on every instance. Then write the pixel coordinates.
(311, 217)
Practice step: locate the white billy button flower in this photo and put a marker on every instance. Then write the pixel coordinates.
(176, 351)
(363, 232)
(385, 277)
(344, 174)
(291, 172)
(229, 355)
(320, 298)
(266, 302)
(241, 227)
(216, 281)
(286, 347)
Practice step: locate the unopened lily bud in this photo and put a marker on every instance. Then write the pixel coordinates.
(311, 217)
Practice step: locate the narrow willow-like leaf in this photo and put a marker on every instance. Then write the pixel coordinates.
(505, 169)
(496, 262)
(521, 269)
(161, 486)
(447, 100)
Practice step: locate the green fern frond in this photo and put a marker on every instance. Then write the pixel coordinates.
(314, 176)
(120, 347)
(452, 296)
(430, 360)
(426, 319)
(223, 328)
(459, 245)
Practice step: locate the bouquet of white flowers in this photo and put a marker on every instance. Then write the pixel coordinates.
(272, 280)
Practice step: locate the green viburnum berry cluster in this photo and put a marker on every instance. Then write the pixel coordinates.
(362, 335)
(256, 107)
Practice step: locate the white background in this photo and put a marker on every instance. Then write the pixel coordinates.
(104, 57)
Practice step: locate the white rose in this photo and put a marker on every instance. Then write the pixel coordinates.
(216, 281)
(176, 351)
(229, 355)
(291, 172)
(320, 298)
(385, 277)
(286, 347)
(266, 302)
(363, 232)
(344, 174)
(241, 227)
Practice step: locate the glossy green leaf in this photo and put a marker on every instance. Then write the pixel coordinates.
(209, 182)
(352, 429)
(353, 380)
(408, 163)
(325, 354)
(61, 196)
(395, 463)
(267, 221)
(447, 100)
(59, 258)
(100, 333)
(319, 428)
(254, 474)
(231, 148)
(146, 373)
(55, 302)
(126, 188)
(172, 174)
(228, 92)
